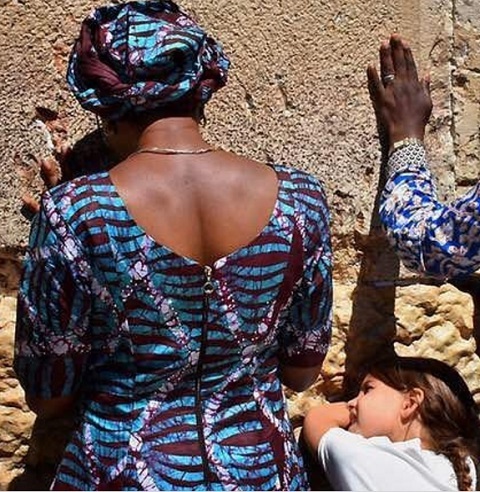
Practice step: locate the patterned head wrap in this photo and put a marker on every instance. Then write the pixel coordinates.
(143, 55)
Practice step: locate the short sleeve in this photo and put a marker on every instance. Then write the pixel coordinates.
(305, 330)
(353, 462)
(349, 461)
(52, 340)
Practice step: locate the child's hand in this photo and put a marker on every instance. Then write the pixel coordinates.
(342, 414)
(49, 172)
(323, 418)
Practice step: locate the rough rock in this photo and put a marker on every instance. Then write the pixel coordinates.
(296, 95)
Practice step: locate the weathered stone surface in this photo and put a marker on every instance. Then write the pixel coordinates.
(15, 420)
(437, 322)
(296, 95)
(466, 94)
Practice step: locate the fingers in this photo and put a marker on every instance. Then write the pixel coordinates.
(49, 172)
(63, 153)
(386, 61)
(398, 56)
(30, 207)
(375, 86)
(50, 176)
(411, 67)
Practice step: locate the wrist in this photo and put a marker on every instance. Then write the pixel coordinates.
(338, 414)
(397, 134)
(411, 156)
(404, 142)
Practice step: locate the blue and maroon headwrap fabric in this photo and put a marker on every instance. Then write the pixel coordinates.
(143, 55)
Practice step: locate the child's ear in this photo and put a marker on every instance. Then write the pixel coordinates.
(412, 400)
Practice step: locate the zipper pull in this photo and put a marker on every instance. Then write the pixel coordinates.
(208, 287)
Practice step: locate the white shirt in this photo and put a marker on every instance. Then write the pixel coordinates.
(353, 462)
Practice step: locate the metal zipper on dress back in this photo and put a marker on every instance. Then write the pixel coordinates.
(208, 289)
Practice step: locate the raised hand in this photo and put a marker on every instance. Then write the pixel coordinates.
(401, 100)
(50, 174)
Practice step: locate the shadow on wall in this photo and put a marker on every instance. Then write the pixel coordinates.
(46, 447)
(89, 155)
(372, 330)
(471, 285)
(372, 327)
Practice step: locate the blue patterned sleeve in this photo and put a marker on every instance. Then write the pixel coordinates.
(52, 331)
(429, 236)
(306, 327)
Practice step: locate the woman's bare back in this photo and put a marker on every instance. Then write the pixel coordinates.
(203, 207)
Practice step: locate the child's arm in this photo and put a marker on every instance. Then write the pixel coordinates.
(321, 419)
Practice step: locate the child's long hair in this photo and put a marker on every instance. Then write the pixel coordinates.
(448, 415)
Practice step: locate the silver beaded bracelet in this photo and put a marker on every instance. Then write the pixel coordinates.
(405, 142)
(408, 153)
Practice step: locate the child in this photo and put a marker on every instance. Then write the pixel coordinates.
(412, 426)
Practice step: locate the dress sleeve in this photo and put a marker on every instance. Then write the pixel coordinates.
(429, 236)
(305, 328)
(52, 339)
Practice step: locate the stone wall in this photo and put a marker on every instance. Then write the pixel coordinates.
(296, 95)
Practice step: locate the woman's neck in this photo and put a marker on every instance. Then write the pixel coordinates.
(173, 133)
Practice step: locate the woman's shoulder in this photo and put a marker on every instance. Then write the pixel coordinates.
(86, 184)
(77, 197)
(306, 191)
(297, 177)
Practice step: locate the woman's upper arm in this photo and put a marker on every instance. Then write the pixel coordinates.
(298, 378)
(305, 328)
(52, 337)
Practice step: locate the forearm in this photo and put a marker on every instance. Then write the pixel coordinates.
(429, 236)
(321, 419)
(50, 408)
(406, 203)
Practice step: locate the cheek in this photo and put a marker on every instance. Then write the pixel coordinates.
(374, 420)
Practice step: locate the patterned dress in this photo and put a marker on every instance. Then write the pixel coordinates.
(429, 236)
(175, 364)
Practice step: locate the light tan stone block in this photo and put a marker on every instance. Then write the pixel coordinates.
(296, 95)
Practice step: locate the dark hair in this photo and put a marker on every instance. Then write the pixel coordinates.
(446, 412)
(187, 106)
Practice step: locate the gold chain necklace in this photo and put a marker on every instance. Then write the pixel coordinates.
(167, 151)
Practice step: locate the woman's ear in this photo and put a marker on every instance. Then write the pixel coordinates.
(109, 127)
(412, 400)
(121, 137)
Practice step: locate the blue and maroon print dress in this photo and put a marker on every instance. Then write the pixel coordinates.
(175, 364)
